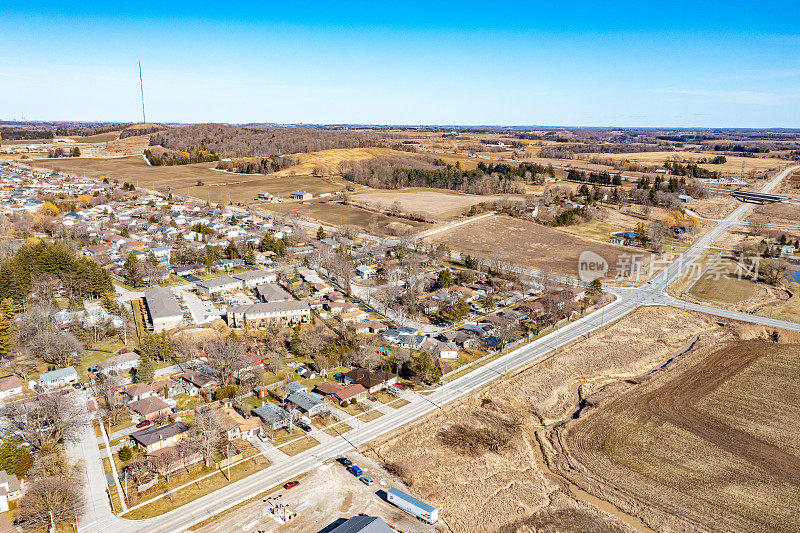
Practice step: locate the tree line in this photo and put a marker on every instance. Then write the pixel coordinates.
(79, 277)
(185, 157)
(264, 165)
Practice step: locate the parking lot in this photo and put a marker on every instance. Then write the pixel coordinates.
(327, 494)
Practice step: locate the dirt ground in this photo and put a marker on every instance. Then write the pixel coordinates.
(438, 205)
(325, 495)
(782, 214)
(510, 488)
(706, 444)
(529, 244)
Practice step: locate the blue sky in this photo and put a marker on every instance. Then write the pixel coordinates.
(731, 64)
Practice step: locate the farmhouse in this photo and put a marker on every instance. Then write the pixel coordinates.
(300, 195)
(10, 386)
(58, 378)
(155, 438)
(162, 309)
(261, 315)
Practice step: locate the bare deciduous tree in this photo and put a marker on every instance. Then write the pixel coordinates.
(226, 358)
(52, 500)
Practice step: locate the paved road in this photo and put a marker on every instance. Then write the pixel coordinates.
(626, 300)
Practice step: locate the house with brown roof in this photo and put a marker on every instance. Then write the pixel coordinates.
(140, 391)
(154, 438)
(342, 393)
(10, 386)
(234, 425)
(371, 381)
(150, 408)
(197, 381)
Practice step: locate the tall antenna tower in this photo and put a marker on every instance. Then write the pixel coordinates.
(141, 90)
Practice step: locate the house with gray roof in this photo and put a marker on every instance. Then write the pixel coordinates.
(119, 363)
(162, 309)
(273, 416)
(252, 278)
(363, 524)
(272, 292)
(309, 403)
(155, 438)
(208, 288)
(58, 378)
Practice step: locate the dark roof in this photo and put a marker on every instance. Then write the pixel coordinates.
(198, 379)
(369, 379)
(149, 405)
(363, 524)
(148, 436)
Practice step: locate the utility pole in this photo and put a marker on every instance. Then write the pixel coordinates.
(141, 90)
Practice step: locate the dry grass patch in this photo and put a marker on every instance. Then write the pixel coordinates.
(521, 242)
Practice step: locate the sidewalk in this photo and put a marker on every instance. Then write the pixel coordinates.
(273, 454)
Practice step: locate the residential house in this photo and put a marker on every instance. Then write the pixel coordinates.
(365, 271)
(119, 363)
(209, 288)
(264, 314)
(294, 386)
(139, 391)
(300, 195)
(308, 403)
(11, 488)
(197, 382)
(272, 292)
(155, 438)
(370, 326)
(371, 381)
(273, 417)
(10, 386)
(150, 408)
(59, 378)
(342, 393)
(253, 278)
(235, 425)
(444, 350)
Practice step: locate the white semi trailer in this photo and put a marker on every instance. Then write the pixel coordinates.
(425, 512)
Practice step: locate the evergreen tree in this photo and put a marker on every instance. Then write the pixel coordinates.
(320, 233)
(146, 371)
(130, 269)
(444, 279)
(7, 310)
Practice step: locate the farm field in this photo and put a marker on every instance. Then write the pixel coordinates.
(183, 179)
(340, 215)
(436, 204)
(516, 491)
(704, 445)
(779, 213)
(528, 244)
(732, 166)
(329, 160)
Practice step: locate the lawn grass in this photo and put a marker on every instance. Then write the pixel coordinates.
(196, 490)
(594, 229)
(96, 353)
(370, 416)
(298, 446)
(331, 426)
(186, 402)
(723, 286)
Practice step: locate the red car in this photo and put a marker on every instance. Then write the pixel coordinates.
(402, 386)
(143, 424)
(291, 485)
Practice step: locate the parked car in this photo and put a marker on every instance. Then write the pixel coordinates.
(262, 436)
(143, 424)
(291, 485)
(402, 386)
(367, 480)
(373, 399)
(344, 461)
(304, 427)
(355, 470)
